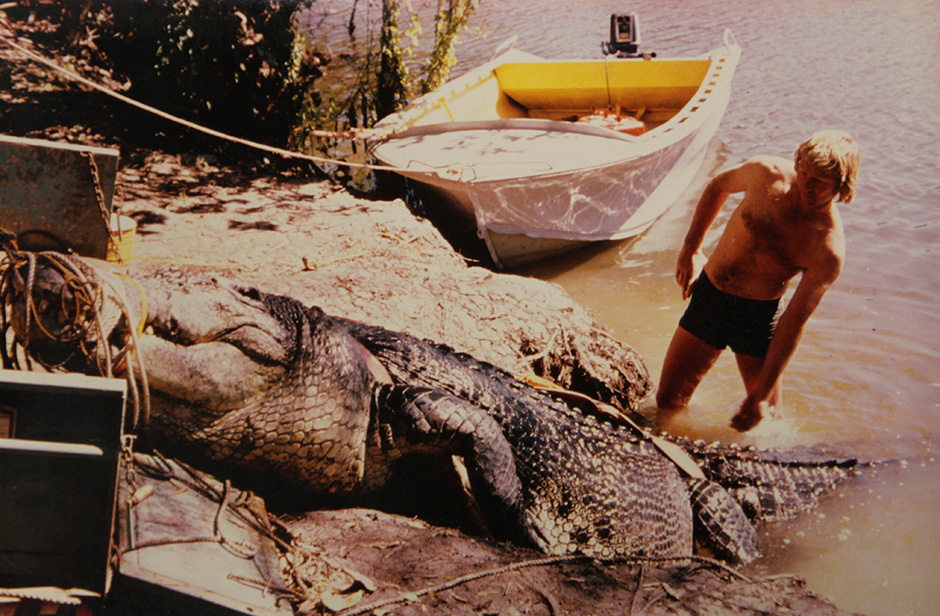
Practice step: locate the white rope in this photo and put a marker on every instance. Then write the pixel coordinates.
(362, 134)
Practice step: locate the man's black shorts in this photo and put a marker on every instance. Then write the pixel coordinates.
(722, 320)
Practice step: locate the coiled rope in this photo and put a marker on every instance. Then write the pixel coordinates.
(88, 309)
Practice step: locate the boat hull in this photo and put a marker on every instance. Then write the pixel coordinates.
(539, 187)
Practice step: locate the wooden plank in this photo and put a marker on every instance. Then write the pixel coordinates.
(47, 194)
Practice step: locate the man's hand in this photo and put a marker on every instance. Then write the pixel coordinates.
(750, 414)
(688, 268)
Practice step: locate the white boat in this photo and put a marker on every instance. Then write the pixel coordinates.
(520, 146)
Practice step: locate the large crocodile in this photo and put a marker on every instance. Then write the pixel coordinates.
(260, 381)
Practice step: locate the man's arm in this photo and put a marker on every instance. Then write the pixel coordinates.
(809, 292)
(691, 258)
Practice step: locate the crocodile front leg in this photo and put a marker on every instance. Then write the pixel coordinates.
(418, 420)
(721, 524)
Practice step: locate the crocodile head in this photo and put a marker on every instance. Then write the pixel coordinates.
(249, 379)
(255, 379)
(213, 344)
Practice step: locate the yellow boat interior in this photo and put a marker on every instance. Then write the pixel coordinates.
(652, 91)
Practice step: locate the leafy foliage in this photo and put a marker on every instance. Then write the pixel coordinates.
(392, 80)
(378, 72)
(227, 64)
(252, 68)
(451, 19)
(383, 60)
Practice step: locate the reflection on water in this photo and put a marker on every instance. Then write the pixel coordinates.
(867, 374)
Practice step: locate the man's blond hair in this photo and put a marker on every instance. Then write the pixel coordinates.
(836, 152)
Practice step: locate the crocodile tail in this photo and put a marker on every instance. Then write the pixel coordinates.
(771, 486)
(720, 523)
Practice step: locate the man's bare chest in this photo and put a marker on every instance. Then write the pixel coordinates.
(780, 239)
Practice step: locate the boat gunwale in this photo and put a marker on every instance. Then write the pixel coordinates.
(451, 177)
(699, 106)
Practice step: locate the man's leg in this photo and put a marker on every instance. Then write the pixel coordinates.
(750, 367)
(687, 362)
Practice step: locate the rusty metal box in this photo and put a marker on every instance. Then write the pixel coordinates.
(49, 198)
(60, 442)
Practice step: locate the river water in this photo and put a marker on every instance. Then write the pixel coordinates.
(866, 377)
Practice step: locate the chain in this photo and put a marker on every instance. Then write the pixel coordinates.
(130, 478)
(96, 181)
(99, 197)
(130, 466)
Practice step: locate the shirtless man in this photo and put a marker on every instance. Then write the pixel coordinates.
(787, 224)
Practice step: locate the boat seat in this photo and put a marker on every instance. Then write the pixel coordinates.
(553, 89)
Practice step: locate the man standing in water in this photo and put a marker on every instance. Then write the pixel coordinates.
(787, 224)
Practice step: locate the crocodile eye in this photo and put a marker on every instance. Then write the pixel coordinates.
(250, 292)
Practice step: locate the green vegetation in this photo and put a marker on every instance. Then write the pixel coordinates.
(265, 70)
(377, 72)
(228, 65)
(250, 66)
(451, 19)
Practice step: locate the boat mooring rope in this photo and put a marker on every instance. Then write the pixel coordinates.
(359, 134)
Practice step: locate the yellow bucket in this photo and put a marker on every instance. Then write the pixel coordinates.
(121, 241)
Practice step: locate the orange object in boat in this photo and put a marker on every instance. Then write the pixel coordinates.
(620, 123)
